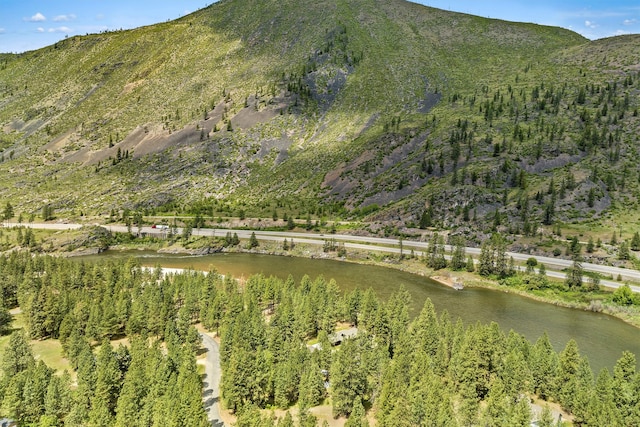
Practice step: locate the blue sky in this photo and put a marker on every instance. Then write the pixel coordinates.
(594, 19)
(31, 24)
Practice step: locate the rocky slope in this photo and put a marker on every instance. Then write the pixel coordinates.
(386, 110)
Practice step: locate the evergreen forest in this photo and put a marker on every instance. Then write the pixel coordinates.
(401, 369)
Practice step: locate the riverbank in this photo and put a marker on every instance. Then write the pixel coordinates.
(450, 281)
(413, 264)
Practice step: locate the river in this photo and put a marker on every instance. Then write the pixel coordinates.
(600, 337)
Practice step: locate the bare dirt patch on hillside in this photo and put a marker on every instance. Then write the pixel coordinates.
(390, 155)
(153, 138)
(249, 117)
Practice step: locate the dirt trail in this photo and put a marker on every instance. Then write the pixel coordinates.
(211, 383)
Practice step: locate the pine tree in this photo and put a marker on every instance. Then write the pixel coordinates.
(357, 416)
(635, 241)
(37, 315)
(520, 415)
(307, 419)
(35, 391)
(549, 212)
(516, 373)
(470, 267)
(253, 241)
(574, 275)
(17, 356)
(425, 329)
(135, 387)
(469, 404)
(542, 271)
(57, 403)
(286, 421)
(546, 417)
(623, 251)
(348, 378)
(86, 377)
(591, 197)
(369, 311)
(458, 256)
(567, 375)
(7, 213)
(496, 411)
(602, 409)
(107, 389)
(486, 261)
(575, 246)
(398, 314)
(435, 251)
(425, 219)
(626, 399)
(543, 364)
(109, 325)
(189, 387)
(287, 380)
(311, 388)
(5, 318)
(12, 403)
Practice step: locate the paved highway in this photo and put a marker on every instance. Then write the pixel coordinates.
(379, 244)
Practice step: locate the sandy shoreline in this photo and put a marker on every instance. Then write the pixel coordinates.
(452, 282)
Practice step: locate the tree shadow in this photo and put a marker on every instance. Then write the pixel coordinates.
(208, 403)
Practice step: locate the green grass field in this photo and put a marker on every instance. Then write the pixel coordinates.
(49, 350)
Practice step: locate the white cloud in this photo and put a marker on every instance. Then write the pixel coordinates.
(38, 17)
(65, 18)
(60, 30)
(622, 32)
(40, 30)
(629, 21)
(2, 30)
(590, 24)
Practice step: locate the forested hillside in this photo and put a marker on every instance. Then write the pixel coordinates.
(399, 114)
(372, 116)
(402, 368)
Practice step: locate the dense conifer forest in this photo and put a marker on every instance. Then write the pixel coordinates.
(401, 368)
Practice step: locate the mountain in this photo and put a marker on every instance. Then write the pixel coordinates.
(385, 110)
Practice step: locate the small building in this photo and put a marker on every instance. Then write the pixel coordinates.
(337, 337)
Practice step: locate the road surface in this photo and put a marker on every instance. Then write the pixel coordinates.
(365, 243)
(211, 383)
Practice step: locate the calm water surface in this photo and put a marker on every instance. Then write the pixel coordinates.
(600, 337)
